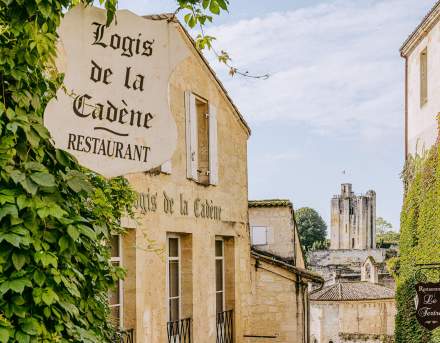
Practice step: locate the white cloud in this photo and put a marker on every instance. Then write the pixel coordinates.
(334, 66)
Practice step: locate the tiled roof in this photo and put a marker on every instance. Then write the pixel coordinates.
(171, 17)
(424, 20)
(349, 291)
(270, 203)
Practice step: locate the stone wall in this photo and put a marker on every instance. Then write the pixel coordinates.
(353, 220)
(169, 208)
(277, 306)
(330, 319)
(282, 234)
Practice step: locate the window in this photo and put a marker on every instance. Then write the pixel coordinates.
(116, 295)
(201, 139)
(173, 279)
(259, 235)
(220, 275)
(424, 77)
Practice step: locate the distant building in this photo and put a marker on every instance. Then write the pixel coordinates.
(279, 304)
(421, 52)
(351, 312)
(353, 220)
(353, 239)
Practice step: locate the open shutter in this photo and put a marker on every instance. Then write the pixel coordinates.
(213, 144)
(191, 136)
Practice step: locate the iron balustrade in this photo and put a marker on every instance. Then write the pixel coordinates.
(225, 327)
(179, 331)
(124, 336)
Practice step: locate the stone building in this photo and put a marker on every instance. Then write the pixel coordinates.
(353, 312)
(191, 274)
(353, 220)
(421, 52)
(279, 303)
(352, 239)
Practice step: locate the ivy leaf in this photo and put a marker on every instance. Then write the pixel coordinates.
(39, 277)
(18, 285)
(43, 179)
(52, 210)
(29, 186)
(31, 326)
(21, 337)
(8, 209)
(73, 232)
(4, 335)
(49, 296)
(86, 231)
(63, 243)
(18, 260)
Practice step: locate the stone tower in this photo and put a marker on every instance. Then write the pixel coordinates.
(353, 220)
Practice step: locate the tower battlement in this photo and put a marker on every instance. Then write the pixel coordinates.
(353, 220)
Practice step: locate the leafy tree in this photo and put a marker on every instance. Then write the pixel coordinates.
(56, 218)
(382, 225)
(311, 227)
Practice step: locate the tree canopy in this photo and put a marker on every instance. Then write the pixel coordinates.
(311, 227)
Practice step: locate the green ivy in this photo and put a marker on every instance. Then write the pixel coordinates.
(56, 218)
(419, 242)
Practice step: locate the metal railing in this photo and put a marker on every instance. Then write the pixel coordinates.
(225, 327)
(179, 331)
(124, 336)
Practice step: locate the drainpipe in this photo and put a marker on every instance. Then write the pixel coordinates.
(406, 106)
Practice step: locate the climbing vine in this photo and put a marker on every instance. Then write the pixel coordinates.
(419, 243)
(56, 218)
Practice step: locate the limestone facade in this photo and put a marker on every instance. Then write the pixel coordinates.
(352, 312)
(277, 219)
(353, 220)
(278, 305)
(188, 253)
(421, 52)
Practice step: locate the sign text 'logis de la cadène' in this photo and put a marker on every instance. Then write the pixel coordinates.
(85, 107)
(115, 115)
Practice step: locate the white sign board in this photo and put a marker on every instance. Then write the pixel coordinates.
(115, 116)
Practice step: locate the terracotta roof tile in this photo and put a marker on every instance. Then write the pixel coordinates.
(349, 291)
(270, 203)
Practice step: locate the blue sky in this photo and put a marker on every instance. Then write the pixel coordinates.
(334, 100)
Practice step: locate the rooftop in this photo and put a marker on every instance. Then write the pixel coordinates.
(270, 203)
(353, 291)
(419, 32)
(171, 17)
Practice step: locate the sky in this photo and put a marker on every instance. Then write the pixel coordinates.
(332, 109)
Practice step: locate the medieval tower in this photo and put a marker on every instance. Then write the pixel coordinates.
(353, 220)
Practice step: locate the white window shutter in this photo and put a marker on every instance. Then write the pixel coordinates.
(191, 135)
(166, 167)
(213, 146)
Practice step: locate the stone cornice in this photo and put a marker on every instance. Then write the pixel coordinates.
(421, 30)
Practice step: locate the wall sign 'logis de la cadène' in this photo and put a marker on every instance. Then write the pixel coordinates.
(114, 114)
(428, 305)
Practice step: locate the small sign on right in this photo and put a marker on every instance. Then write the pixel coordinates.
(428, 305)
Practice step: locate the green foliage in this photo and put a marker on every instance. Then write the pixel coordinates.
(55, 217)
(320, 245)
(382, 225)
(419, 242)
(385, 240)
(311, 227)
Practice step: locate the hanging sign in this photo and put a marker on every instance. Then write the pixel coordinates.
(428, 305)
(114, 114)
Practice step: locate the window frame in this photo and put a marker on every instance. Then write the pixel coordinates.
(179, 264)
(200, 175)
(252, 234)
(119, 261)
(222, 258)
